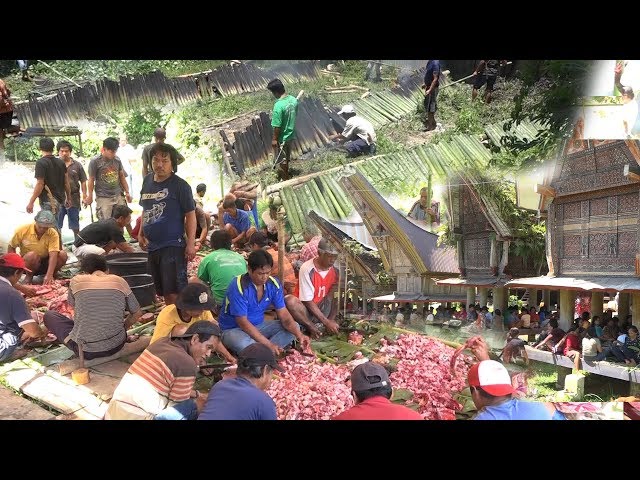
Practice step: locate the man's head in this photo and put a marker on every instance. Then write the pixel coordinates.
(12, 266)
(44, 221)
(109, 148)
(256, 362)
(194, 299)
(553, 323)
(46, 145)
(276, 87)
(627, 94)
(327, 253)
(203, 336)
(489, 382)
(424, 194)
(93, 263)
(163, 159)
(229, 204)
(370, 380)
(347, 111)
(260, 264)
(122, 214)
(123, 140)
(64, 149)
(201, 189)
(221, 239)
(160, 135)
(258, 241)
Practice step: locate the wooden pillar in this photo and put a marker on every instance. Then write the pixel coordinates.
(500, 299)
(635, 309)
(546, 298)
(533, 298)
(483, 293)
(471, 296)
(567, 308)
(596, 304)
(623, 305)
(364, 298)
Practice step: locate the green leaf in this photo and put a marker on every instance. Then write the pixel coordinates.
(400, 395)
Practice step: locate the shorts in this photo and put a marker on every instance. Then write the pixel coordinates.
(5, 119)
(430, 102)
(73, 213)
(168, 266)
(482, 79)
(104, 205)
(325, 308)
(86, 249)
(44, 266)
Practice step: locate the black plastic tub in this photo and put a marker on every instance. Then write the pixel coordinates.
(123, 264)
(143, 288)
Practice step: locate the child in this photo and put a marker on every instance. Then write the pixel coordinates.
(514, 347)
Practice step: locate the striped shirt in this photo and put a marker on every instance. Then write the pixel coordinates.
(163, 375)
(100, 301)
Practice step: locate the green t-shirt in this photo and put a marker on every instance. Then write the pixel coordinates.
(219, 268)
(284, 116)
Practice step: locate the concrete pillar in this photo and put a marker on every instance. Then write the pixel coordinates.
(483, 293)
(623, 306)
(546, 298)
(596, 304)
(471, 296)
(500, 299)
(533, 298)
(567, 308)
(635, 309)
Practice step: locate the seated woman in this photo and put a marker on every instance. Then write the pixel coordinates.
(551, 337)
(629, 351)
(591, 346)
(193, 304)
(572, 346)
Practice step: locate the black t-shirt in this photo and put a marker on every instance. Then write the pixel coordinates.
(491, 68)
(53, 170)
(100, 233)
(76, 175)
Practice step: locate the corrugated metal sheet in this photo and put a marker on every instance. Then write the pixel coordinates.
(563, 282)
(356, 231)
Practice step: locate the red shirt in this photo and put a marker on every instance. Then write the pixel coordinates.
(312, 285)
(572, 343)
(378, 408)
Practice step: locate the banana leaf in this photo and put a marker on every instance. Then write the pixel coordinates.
(401, 395)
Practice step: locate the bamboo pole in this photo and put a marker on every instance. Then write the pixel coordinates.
(281, 245)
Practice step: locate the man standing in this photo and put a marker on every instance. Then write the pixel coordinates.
(107, 176)
(486, 73)
(235, 221)
(16, 325)
(248, 297)
(201, 191)
(104, 235)
(221, 266)
(318, 279)
(430, 87)
(283, 121)
(159, 385)
(371, 390)
(159, 135)
(420, 210)
(358, 133)
(168, 209)
(243, 397)
(53, 183)
(100, 302)
(39, 245)
(77, 180)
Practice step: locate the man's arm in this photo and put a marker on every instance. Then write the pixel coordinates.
(132, 319)
(436, 74)
(67, 189)
(53, 260)
(124, 185)
(291, 326)
(190, 227)
(331, 325)
(618, 76)
(142, 240)
(83, 187)
(31, 331)
(124, 247)
(334, 302)
(90, 190)
(37, 190)
(480, 67)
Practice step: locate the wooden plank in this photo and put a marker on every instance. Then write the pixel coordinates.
(545, 190)
(15, 407)
(139, 345)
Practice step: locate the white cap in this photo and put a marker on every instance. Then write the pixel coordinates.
(347, 109)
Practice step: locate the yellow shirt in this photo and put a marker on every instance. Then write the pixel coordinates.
(169, 318)
(26, 239)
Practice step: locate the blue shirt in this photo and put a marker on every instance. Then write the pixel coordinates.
(13, 310)
(433, 67)
(518, 410)
(242, 301)
(164, 206)
(238, 399)
(241, 222)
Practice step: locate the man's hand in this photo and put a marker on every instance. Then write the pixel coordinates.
(479, 348)
(274, 144)
(89, 200)
(128, 198)
(47, 279)
(427, 93)
(67, 203)
(275, 349)
(332, 326)
(314, 332)
(28, 291)
(30, 207)
(84, 200)
(143, 242)
(190, 252)
(305, 342)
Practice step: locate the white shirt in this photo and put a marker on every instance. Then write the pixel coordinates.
(629, 114)
(307, 288)
(361, 128)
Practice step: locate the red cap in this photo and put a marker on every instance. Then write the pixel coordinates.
(492, 377)
(13, 260)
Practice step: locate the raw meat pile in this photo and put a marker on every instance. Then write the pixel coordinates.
(52, 297)
(424, 368)
(309, 390)
(192, 266)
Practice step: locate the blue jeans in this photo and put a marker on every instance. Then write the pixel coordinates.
(186, 410)
(359, 147)
(8, 343)
(74, 217)
(236, 339)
